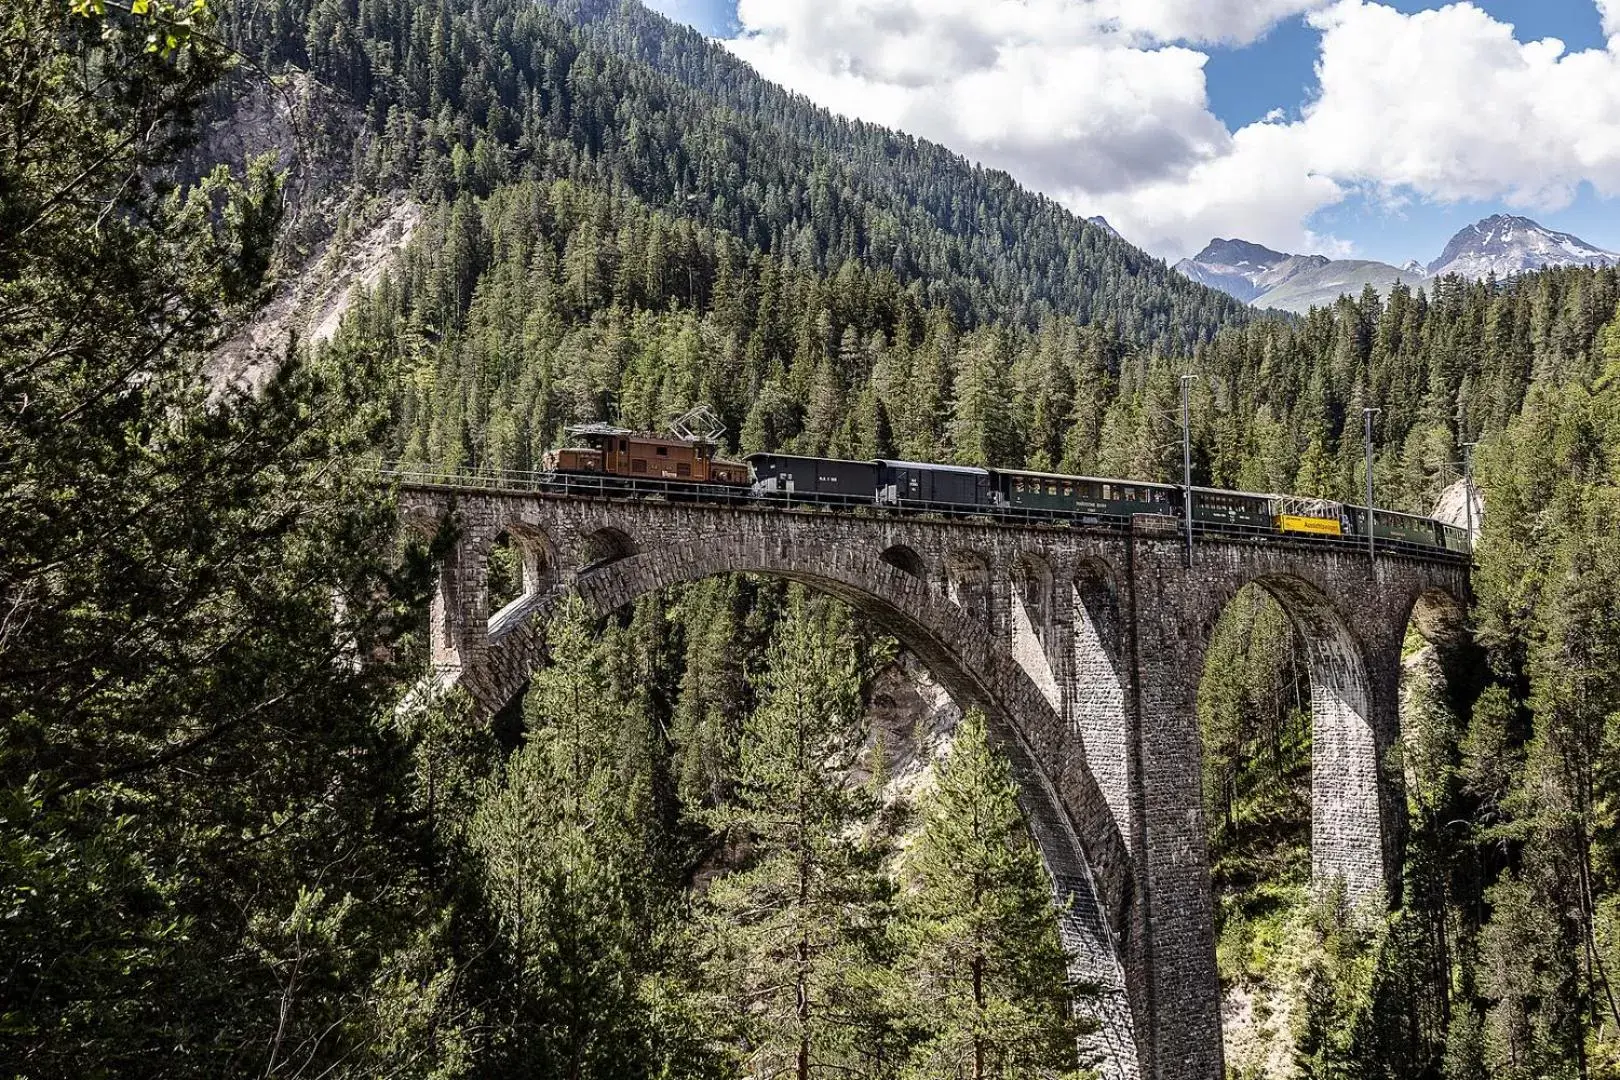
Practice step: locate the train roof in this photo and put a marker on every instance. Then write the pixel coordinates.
(612, 431)
(807, 457)
(967, 469)
(1086, 479)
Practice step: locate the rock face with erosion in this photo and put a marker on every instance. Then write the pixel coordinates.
(915, 720)
(1452, 506)
(309, 304)
(334, 240)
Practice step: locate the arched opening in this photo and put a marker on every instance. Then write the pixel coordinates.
(1441, 675)
(1073, 829)
(1451, 741)
(605, 546)
(518, 567)
(967, 583)
(504, 572)
(1294, 804)
(906, 560)
(1032, 631)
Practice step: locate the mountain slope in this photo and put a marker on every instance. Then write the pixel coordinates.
(1271, 279)
(976, 218)
(1504, 245)
(1236, 267)
(615, 96)
(1307, 281)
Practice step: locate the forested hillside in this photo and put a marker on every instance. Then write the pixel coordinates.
(228, 849)
(463, 97)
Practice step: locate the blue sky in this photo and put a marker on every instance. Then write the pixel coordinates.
(1258, 150)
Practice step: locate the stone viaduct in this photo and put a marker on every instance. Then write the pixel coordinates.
(1085, 647)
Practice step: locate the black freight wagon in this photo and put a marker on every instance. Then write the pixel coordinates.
(787, 474)
(914, 482)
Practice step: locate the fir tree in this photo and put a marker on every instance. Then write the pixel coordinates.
(795, 933)
(986, 979)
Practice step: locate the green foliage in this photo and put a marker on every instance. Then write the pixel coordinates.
(985, 978)
(794, 935)
(225, 849)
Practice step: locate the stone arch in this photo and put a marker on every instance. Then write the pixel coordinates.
(1032, 589)
(1437, 672)
(967, 583)
(538, 567)
(604, 546)
(1030, 615)
(1350, 800)
(1072, 824)
(904, 558)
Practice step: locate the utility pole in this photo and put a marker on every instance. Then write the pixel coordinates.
(1468, 492)
(1186, 460)
(1367, 415)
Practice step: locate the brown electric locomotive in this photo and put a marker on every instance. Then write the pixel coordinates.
(615, 451)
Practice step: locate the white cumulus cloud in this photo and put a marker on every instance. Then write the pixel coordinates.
(1103, 104)
(1609, 11)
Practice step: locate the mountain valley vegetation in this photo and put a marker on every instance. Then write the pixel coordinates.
(235, 839)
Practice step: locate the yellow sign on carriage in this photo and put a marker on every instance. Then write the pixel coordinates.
(1316, 525)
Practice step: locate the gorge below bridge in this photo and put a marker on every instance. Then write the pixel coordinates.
(1083, 644)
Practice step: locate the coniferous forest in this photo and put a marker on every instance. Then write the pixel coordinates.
(233, 841)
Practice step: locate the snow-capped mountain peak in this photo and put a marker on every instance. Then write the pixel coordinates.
(1505, 244)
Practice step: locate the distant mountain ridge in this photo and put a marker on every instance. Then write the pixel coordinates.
(1502, 245)
(1273, 279)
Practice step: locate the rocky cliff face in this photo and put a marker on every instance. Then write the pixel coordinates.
(330, 245)
(1452, 507)
(914, 720)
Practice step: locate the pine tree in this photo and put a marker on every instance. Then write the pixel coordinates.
(986, 979)
(981, 429)
(795, 933)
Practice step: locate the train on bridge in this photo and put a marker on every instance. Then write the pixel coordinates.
(687, 465)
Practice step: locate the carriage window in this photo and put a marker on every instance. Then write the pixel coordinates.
(1018, 486)
(1068, 489)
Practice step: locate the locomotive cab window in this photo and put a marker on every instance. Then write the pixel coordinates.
(663, 451)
